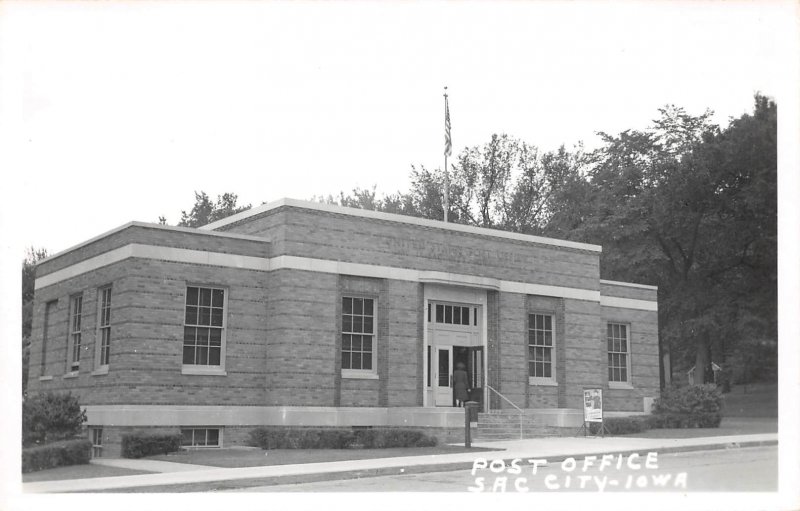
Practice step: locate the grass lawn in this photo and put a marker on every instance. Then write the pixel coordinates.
(78, 472)
(728, 426)
(254, 457)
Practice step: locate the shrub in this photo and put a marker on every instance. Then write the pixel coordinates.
(695, 406)
(627, 425)
(138, 445)
(50, 417)
(338, 438)
(56, 454)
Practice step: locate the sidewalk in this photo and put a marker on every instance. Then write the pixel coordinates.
(552, 449)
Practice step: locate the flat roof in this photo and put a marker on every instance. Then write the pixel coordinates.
(391, 217)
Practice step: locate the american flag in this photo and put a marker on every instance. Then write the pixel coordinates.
(448, 143)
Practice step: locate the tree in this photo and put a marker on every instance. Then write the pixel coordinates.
(205, 211)
(28, 280)
(692, 208)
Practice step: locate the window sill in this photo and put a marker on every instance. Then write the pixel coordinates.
(359, 375)
(100, 371)
(204, 371)
(73, 374)
(543, 382)
(45, 378)
(620, 385)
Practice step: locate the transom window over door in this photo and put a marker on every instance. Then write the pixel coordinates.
(204, 326)
(358, 334)
(541, 352)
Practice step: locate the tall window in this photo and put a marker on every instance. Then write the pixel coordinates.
(358, 334)
(49, 313)
(541, 348)
(618, 359)
(74, 342)
(104, 324)
(204, 326)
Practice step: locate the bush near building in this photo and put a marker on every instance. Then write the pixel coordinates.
(56, 454)
(50, 417)
(136, 445)
(338, 438)
(694, 406)
(50, 424)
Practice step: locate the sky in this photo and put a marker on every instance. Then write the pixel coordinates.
(120, 111)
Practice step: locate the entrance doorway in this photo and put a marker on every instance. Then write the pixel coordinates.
(453, 339)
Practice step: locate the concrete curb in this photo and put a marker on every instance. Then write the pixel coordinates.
(412, 469)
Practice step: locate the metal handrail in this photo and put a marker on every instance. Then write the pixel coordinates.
(489, 407)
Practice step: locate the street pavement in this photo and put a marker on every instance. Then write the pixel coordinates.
(752, 469)
(553, 449)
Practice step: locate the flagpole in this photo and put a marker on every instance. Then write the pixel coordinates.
(446, 150)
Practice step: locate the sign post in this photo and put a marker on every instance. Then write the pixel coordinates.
(593, 410)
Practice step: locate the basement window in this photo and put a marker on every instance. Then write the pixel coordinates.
(200, 437)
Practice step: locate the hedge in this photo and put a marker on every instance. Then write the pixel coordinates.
(136, 445)
(56, 454)
(338, 438)
(627, 425)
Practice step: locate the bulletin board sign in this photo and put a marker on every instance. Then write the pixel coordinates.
(593, 405)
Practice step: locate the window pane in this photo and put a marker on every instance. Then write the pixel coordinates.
(356, 343)
(215, 337)
(188, 355)
(366, 361)
(548, 338)
(189, 334)
(358, 324)
(623, 374)
(548, 322)
(192, 296)
(213, 437)
(217, 297)
(546, 353)
(609, 333)
(191, 315)
(465, 315)
(216, 317)
(347, 323)
(448, 315)
(456, 315)
(214, 356)
(439, 313)
(358, 306)
(205, 297)
(346, 342)
(347, 305)
(368, 306)
(356, 364)
(204, 316)
(346, 360)
(547, 373)
(366, 344)
(202, 355)
(368, 325)
(187, 437)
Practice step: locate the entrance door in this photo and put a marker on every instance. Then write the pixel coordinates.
(444, 380)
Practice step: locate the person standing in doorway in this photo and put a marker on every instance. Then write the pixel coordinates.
(460, 384)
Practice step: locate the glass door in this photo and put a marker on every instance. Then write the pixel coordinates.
(444, 376)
